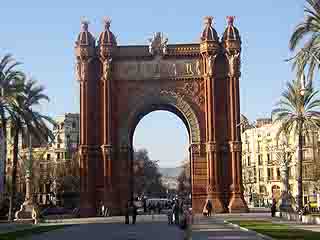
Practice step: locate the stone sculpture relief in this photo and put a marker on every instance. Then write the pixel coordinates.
(84, 70)
(107, 68)
(146, 70)
(234, 62)
(158, 44)
(211, 59)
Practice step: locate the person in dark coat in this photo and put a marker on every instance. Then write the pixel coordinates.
(273, 208)
(134, 213)
(126, 213)
(209, 208)
(176, 211)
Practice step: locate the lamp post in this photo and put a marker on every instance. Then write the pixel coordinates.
(300, 151)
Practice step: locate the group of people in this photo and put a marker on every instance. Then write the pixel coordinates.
(175, 212)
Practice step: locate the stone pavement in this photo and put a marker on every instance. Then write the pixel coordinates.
(147, 228)
(154, 228)
(215, 228)
(115, 231)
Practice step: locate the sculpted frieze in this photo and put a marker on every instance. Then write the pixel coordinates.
(157, 68)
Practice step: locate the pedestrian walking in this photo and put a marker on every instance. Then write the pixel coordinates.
(134, 213)
(273, 208)
(127, 212)
(170, 217)
(209, 208)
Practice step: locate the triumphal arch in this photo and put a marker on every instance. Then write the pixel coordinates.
(199, 82)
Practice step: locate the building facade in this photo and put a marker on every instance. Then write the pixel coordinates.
(261, 166)
(47, 157)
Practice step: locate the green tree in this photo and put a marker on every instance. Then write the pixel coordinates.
(147, 178)
(23, 116)
(184, 180)
(298, 114)
(307, 35)
(10, 86)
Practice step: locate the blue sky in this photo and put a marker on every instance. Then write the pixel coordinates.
(41, 34)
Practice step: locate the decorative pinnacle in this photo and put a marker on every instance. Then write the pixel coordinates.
(84, 24)
(208, 20)
(230, 20)
(107, 23)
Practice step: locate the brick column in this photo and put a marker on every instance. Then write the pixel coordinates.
(87, 181)
(213, 187)
(198, 176)
(237, 202)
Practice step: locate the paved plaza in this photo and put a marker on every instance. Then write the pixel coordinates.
(147, 228)
(153, 228)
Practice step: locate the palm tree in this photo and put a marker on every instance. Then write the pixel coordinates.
(24, 117)
(10, 86)
(307, 33)
(298, 114)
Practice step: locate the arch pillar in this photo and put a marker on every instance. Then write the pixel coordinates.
(198, 176)
(213, 187)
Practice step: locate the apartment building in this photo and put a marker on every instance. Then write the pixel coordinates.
(261, 166)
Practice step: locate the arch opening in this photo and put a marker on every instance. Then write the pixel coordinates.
(164, 133)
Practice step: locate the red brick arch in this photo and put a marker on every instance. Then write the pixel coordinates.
(199, 82)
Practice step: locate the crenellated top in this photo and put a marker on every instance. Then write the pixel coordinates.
(231, 33)
(107, 38)
(107, 47)
(209, 33)
(85, 38)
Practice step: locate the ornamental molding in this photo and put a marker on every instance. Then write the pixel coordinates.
(235, 146)
(106, 68)
(142, 102)
(211, 147)
(196, 148)
(106, 149)
(87, 149)
(82, 70)
(85, 52)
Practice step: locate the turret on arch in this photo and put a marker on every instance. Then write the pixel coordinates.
(120, 84)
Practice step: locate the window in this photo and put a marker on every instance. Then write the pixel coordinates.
(258, 143)
(304, 143)
(73, 125)
(58, 155)
(261, 174)
(278, 173)
(249, 163)
(260, 160)
(270, 174)
(58, 145)
(48, 156)
(268, 158)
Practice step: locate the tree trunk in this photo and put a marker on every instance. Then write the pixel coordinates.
(4, 132)
(300, 159)
(14, 176)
